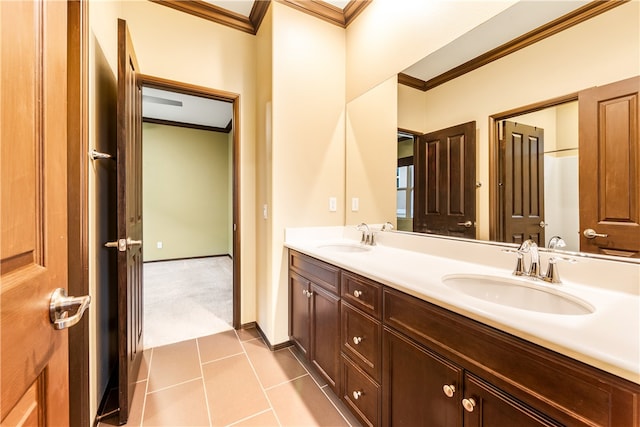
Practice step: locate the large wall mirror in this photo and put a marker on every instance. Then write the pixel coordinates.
(527, 126)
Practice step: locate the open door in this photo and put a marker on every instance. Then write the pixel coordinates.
(609, 168)
(445, 182)
(129, 201)
(521, 183)
(34, 309)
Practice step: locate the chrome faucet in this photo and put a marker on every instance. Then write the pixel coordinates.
(367, 237)
(528, 246)
(386, 226)
(552, 275)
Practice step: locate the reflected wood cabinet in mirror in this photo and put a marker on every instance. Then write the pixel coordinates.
(407, 362)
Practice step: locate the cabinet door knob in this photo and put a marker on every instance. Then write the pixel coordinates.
(357, 293)
(469, 404)
(357, 340)
(357, 394)
(449, 390)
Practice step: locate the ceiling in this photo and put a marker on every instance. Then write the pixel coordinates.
(524, 17)
(519, 19)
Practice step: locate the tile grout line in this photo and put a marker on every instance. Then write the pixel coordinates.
(253, 368)
(322, 388)
(222, 358)
(204, 386)
(249, 417)
(176, 384)
(146, 388)
(285, 382)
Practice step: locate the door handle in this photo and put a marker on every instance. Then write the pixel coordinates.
(123, 244)
(131, 242)
(467, 224)
(61, 305)
(590, 233)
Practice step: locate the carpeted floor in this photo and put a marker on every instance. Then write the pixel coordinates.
(186, 299)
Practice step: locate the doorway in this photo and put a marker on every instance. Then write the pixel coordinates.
(190, 209)
(536, 150)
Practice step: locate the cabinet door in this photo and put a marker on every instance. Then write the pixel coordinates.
(300, 301)
(414, 381)
(325, 333)
(485, 405)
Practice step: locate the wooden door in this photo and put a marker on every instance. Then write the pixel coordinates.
(299, 320)
(325, 334)
(129, 195)
(521, 183)
(414, 381)
(445, 182)
(33, 211)
(609, 168)
(488, 406)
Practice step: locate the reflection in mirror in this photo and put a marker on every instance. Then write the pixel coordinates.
(599, 50)
(405, 181)
(539, 151)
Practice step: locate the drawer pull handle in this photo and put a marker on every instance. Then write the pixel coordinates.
(449, 390)
(307, 293)
(469, 404)
(357, 340)
(357, 293)
(357, 394)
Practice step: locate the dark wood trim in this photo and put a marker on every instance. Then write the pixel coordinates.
(226, 129)
(266, 341)
(414, 82)
(77, 202)
(494, 146)
(405, 161)
(579, 15)
(353, 9)
(220, 15)
(189, 89)
(328, 12)
(187, 258)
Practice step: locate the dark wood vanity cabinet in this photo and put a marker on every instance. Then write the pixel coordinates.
(314, 307)
(397, 360)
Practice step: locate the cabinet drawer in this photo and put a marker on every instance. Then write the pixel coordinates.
(361, 394)
(362, 293)
(361, 340)
(315, 270)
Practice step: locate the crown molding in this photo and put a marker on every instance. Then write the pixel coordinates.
(328, 12)
(220, 15)
(579, 15)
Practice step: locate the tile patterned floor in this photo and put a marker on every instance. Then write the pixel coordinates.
(231, 379)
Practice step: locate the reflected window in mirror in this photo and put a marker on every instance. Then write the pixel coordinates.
(405, 181)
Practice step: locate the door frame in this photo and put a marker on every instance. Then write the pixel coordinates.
(234, 98)
(494, 153)
(77, 202)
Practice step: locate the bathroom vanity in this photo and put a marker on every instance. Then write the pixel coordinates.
(402, 349)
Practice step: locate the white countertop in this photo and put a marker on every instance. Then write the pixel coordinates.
(608, 338)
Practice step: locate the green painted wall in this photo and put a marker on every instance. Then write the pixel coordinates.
(186, 192)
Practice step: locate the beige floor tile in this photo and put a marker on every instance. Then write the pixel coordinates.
(173, 364)
(273, 367)
(265, 419)
(143, 374)
(135, 411)
(248, 334)
(182, 405)
(217, 346)
(233, 391)
(301, 403)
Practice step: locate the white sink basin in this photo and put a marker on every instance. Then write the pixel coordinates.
(524, 295)
(345, 247)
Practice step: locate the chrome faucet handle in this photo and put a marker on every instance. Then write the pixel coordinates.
(556, 242)
(386, 226)
(532, 248)
(552, 276)
(366, 233)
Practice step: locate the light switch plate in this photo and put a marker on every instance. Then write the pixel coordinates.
(355, 204)
(333, 204)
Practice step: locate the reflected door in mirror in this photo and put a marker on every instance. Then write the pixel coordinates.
(521, 183)
(610, 169)
(445, 190)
